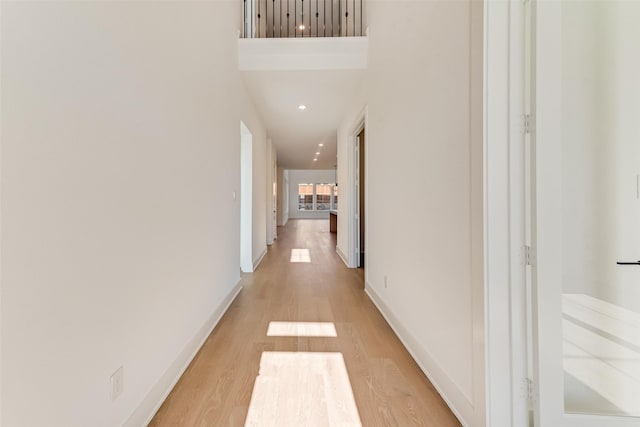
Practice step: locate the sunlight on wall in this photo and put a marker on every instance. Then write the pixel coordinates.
(302, 389)
(300, 255)
(301, 329)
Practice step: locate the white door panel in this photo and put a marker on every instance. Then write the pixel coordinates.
(585, 213)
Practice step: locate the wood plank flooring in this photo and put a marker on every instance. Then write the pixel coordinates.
(388, 387)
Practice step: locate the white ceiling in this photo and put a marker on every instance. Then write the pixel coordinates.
(295, 133)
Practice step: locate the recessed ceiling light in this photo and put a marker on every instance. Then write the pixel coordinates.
(320, 145)
(301, 27)
(302, 107)
(317, 153)
(315, 160)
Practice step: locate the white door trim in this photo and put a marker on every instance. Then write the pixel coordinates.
(246, 199)
(352, 196)
(503, 170)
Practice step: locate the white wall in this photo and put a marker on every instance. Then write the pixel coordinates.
(624, 31)
(424, 188)
(120, 242)
(307, 176)
(310, 53)
(587, 199)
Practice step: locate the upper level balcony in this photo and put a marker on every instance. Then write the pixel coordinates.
(303, 18)
(303, 35)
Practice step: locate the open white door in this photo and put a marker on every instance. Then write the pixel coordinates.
(585, 207)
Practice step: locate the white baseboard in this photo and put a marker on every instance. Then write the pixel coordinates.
(459, 404)
(259, 258)
(143, 415)
(343, 256)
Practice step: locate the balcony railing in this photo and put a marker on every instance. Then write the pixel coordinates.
(302, 18)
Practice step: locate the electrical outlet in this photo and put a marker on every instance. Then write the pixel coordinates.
(385, 282)
(117, 383)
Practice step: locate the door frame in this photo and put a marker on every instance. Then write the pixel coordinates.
(275, 190)
(271, 195)
(246, 198)
(358, 206)
(347, 191)
(507, 384)
(354, 224)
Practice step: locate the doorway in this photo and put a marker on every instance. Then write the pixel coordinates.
(360, 197)
(271, 194)
(274, 200)
(246, 197)
(584, 213)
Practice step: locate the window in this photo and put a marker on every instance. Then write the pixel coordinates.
(323, 197)
(335, 197)
(317, 197)
(305, 197)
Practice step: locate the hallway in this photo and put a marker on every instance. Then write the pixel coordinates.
(388, 387)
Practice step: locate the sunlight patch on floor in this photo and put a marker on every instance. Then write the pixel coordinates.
(601, 352)
(300, 255)
(301, 329)
(609, 318)
(302, 389)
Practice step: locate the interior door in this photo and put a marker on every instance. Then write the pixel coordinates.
(585, 213)
(361, 195)
(274, 217)
(357, 226)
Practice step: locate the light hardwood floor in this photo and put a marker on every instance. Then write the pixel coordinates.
(388, 387)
